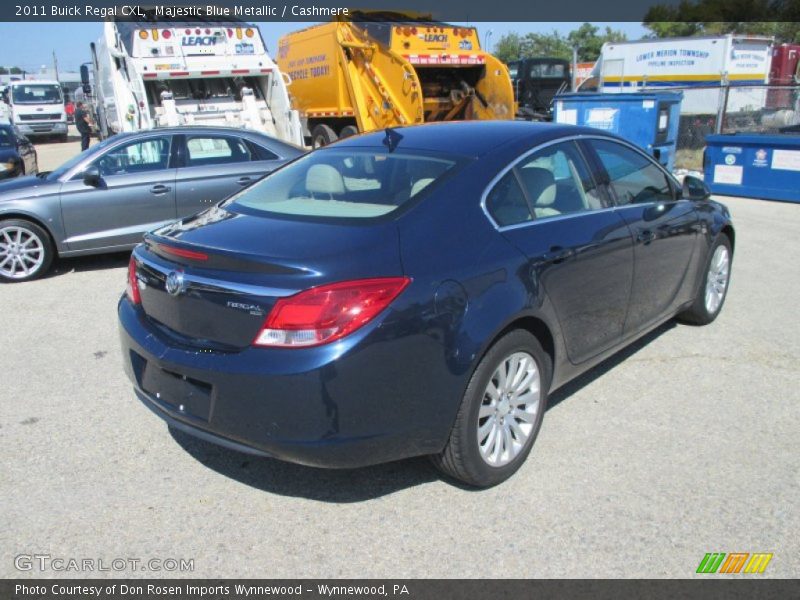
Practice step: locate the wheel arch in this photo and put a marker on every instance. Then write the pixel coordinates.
(728, 231)
(23, 216)
(532, 324)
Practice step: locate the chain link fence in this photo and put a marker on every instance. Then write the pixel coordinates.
(732, 109)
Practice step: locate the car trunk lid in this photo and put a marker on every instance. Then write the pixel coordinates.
(211, 280)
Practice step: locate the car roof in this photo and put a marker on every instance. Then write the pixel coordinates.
(196, 129)
(468, 138)
(238, 131)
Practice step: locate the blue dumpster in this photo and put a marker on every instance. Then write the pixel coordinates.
(754, 165)
(648, 119)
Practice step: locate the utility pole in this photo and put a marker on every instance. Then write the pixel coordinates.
(55, 65)
(574, 67)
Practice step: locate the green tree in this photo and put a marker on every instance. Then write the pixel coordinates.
(778, 18)
(589, 41)
(547, 44)
(508, 47)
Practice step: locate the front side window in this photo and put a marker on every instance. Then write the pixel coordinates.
(37, 94)
(551, 182)
(352, 183)
(215, 150)
(137, 157)
(557, 182)
(634, 178)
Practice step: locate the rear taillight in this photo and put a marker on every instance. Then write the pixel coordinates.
(327, 313)
(132, 289)
(182, 252)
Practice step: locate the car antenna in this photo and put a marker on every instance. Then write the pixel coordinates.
(392, 139)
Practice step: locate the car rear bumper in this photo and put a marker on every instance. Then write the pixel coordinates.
(316, 406)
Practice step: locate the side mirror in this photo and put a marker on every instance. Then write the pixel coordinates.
(92, 177)
(695, 188)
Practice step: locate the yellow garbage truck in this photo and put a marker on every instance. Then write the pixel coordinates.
(382, 70)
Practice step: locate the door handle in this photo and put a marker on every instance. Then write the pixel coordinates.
(557, 255)
(244, 180)
(159, 189)
(645, 236)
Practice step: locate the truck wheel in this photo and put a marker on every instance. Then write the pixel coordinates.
(347, 131)
(322, 136)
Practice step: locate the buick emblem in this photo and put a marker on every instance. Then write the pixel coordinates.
(175, 283)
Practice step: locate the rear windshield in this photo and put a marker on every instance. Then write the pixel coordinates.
(353, 183)
(6, 138)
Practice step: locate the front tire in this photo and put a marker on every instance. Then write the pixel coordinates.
(501, 412)
(714, 288)
(26, 251)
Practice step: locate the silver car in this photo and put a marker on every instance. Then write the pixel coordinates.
(105, 198)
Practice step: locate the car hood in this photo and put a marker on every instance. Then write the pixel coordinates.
(26, 187)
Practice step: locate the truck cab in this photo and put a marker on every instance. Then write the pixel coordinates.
(536, 82)
(37, 108)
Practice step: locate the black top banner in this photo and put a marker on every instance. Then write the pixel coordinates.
(438, 10)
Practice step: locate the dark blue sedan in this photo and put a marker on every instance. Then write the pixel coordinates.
(417, 291)
(17, 154)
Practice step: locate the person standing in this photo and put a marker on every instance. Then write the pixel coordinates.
(82, 123)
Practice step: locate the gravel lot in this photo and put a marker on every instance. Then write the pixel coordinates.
(684, 444)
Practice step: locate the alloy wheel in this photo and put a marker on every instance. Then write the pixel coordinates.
(508, 412)
(22, 252)
(717, 279)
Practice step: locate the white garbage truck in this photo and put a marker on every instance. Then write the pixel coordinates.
(161, 74)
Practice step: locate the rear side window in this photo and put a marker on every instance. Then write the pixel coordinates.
(506, 202)
(214, 150)
(634, 178)
(353, 183)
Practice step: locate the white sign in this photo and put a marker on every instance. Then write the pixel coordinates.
(568, 117)
(601, 118)
(787, 160)
(728, 174)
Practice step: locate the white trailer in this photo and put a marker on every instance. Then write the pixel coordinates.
(189, 73)
(701, 64)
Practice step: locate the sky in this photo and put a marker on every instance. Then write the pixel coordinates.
(31, 45)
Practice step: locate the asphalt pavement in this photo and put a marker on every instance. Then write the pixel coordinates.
(683, 444)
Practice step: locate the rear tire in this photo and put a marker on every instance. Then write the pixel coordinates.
(322, 135)
(714, 288)
(498, 421)
(26, 251)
